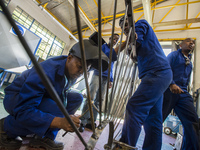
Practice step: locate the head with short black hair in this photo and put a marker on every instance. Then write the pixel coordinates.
(115, 39)
(187, 45)
(126, 27)
(116, 34)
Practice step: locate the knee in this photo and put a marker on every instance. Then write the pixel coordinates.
(75, 96)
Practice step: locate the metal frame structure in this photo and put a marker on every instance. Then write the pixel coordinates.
(127, 71)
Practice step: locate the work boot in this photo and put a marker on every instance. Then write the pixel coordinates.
(89, 126)
(81, 128)
(6, 142)
(48, 144)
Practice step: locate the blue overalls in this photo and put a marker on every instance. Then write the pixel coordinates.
(182, 103)
(145, 106)
(30, 107)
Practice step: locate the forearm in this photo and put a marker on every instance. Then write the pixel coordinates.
(123, 45)
(56, 123)
(62, 123)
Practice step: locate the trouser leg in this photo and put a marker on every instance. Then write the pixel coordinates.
(186, 112)
(14, 128)
(148, 96)
(169, 102)
(94, 85)
(96, 101)
(153, 126)
(74, 100)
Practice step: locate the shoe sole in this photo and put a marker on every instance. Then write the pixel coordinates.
(35, 144)
(8, 148)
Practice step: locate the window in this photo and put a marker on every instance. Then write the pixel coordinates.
(50, 44)
(6, 2)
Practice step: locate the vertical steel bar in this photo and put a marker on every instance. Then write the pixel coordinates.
(78, 23)
(40, 72)
(100, 61)
(116, 110)
(110, 56)
(111, 106)
(131, 23)
(114, 80)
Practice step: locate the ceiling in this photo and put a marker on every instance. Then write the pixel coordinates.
(63, 11)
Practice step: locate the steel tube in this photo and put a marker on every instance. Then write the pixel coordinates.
(78, 23)
(110, 56)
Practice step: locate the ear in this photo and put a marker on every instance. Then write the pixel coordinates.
(69, 58)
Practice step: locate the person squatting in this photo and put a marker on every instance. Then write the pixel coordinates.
(32, 110)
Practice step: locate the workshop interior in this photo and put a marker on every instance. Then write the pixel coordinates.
(34, 32)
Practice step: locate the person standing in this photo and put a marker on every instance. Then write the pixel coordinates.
(177, 97)
(145, 106)
(94, 85)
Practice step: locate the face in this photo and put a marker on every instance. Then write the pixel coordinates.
(115, 39)
(188, 45)
(126, 27)
(74, 67)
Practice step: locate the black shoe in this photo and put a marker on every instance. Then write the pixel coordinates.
(81, 128)
(6, 142)
(89, 126)
(48, 144)
(117, 147)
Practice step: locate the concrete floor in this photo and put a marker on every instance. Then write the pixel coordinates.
(72, 142)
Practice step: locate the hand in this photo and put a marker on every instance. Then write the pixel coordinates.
(62, 123)
(110, 84)
(176, 89)
(136, 37)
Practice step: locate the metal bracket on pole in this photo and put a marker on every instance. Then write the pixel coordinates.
(108, 146)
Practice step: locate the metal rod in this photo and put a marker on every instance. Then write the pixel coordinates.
(40, 72)
(123, 105)
(100, 61)
(123, 91)
(122, 33)
(78, 23)
(116, 81)
(135, 76)
(119, 73)
(110, 56)
(118, 133)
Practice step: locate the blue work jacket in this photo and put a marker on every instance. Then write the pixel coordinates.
(106, 50)
(150, 55)
(181, 71)
(24, 96)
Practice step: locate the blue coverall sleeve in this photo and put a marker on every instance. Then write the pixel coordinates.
(171, 59)
(111, 78)
(114, 58)
(141, 28)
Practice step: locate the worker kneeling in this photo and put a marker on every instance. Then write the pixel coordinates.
(31, 108)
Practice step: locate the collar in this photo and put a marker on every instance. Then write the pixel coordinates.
(189, 55)
(61, 70)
